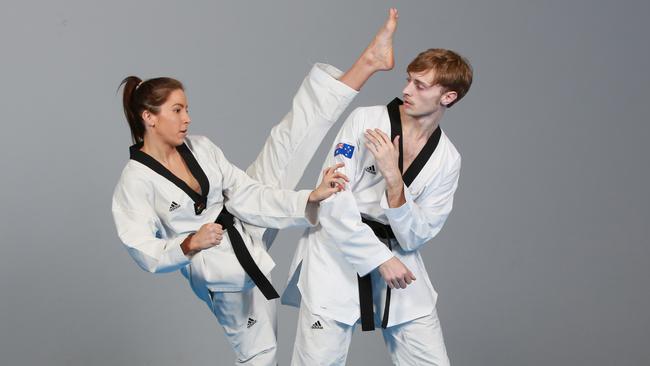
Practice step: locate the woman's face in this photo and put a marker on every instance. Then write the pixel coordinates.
(173, 120)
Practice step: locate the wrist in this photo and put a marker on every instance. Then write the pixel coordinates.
(394, 183)
(187, 246)
(385, 263)
(395, 195)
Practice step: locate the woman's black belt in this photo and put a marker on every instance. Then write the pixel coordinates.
(244, 257)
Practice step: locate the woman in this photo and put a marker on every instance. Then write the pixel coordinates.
(178, 194)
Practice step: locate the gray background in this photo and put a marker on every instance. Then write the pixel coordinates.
(544, 261)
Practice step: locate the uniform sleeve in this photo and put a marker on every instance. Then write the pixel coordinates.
(413, 223)
(262, 205)
(292, 143)
(339, 214)
(141, 231)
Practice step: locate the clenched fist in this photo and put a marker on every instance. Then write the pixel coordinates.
(395, 273)
(208, 236)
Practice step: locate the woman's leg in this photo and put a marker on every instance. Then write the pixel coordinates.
(321, 99)
(248, 320)
(319, 102)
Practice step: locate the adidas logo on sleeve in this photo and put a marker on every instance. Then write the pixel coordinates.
(317, 325)
(251, 322)
(174, 206)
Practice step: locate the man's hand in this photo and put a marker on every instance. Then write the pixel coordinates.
(395, 273)
(386, 155)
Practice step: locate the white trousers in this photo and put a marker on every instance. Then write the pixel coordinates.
(249, 321)
(324, 341)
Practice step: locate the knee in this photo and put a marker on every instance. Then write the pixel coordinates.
(265, 357)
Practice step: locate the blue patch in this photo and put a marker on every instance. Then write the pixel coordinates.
(344, 149)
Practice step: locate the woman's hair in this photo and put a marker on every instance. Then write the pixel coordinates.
(146, 95)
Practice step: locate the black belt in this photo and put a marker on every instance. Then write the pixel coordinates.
(225, 219)
(382, 231)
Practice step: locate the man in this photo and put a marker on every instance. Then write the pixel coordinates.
(403, 173)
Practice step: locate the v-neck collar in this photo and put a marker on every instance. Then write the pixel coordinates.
(423, 156)
(200, 200)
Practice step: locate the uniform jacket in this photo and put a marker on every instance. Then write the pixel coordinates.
(153, 215)
(332, 253)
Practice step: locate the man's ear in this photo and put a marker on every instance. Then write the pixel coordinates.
(448, 98)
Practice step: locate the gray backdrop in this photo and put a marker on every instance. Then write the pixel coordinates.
(544, 261)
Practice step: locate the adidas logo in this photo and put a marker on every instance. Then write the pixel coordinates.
(174, 206)
(251, 322)
(317, 325)
(371, 170)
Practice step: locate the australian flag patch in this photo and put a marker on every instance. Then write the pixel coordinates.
(344, 149)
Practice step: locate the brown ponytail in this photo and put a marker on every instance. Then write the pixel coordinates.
(145, 95)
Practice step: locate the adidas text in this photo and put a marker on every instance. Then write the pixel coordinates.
(371, 170)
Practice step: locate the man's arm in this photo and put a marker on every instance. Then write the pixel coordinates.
(340, 218)
(415, 223)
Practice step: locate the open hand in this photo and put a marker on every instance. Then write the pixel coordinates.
(386, 154)
(331, 183)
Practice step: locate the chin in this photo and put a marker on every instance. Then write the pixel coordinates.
(178, 141)
(411, 112)
(419, 113)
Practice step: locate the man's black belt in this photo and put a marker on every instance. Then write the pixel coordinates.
(385, 232)
(225, 219)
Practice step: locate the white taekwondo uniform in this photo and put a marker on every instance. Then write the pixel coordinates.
(331, 254)
(154, 212)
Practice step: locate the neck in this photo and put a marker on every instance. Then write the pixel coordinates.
(158, 149)
(421, 126)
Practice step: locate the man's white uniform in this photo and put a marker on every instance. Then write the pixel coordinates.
(154, 214)
(331, 254)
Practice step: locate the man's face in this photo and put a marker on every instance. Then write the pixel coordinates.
(422, 97)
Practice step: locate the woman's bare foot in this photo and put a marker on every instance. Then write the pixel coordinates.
(379, 53)
(378, 56)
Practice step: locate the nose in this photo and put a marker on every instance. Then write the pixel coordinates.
(408, 88)
(186, 118)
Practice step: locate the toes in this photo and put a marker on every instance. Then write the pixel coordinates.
(391, 22)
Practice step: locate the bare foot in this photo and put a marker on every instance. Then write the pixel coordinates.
(379, 54)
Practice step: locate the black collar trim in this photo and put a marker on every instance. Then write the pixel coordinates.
(423, 156)
(200, 200)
